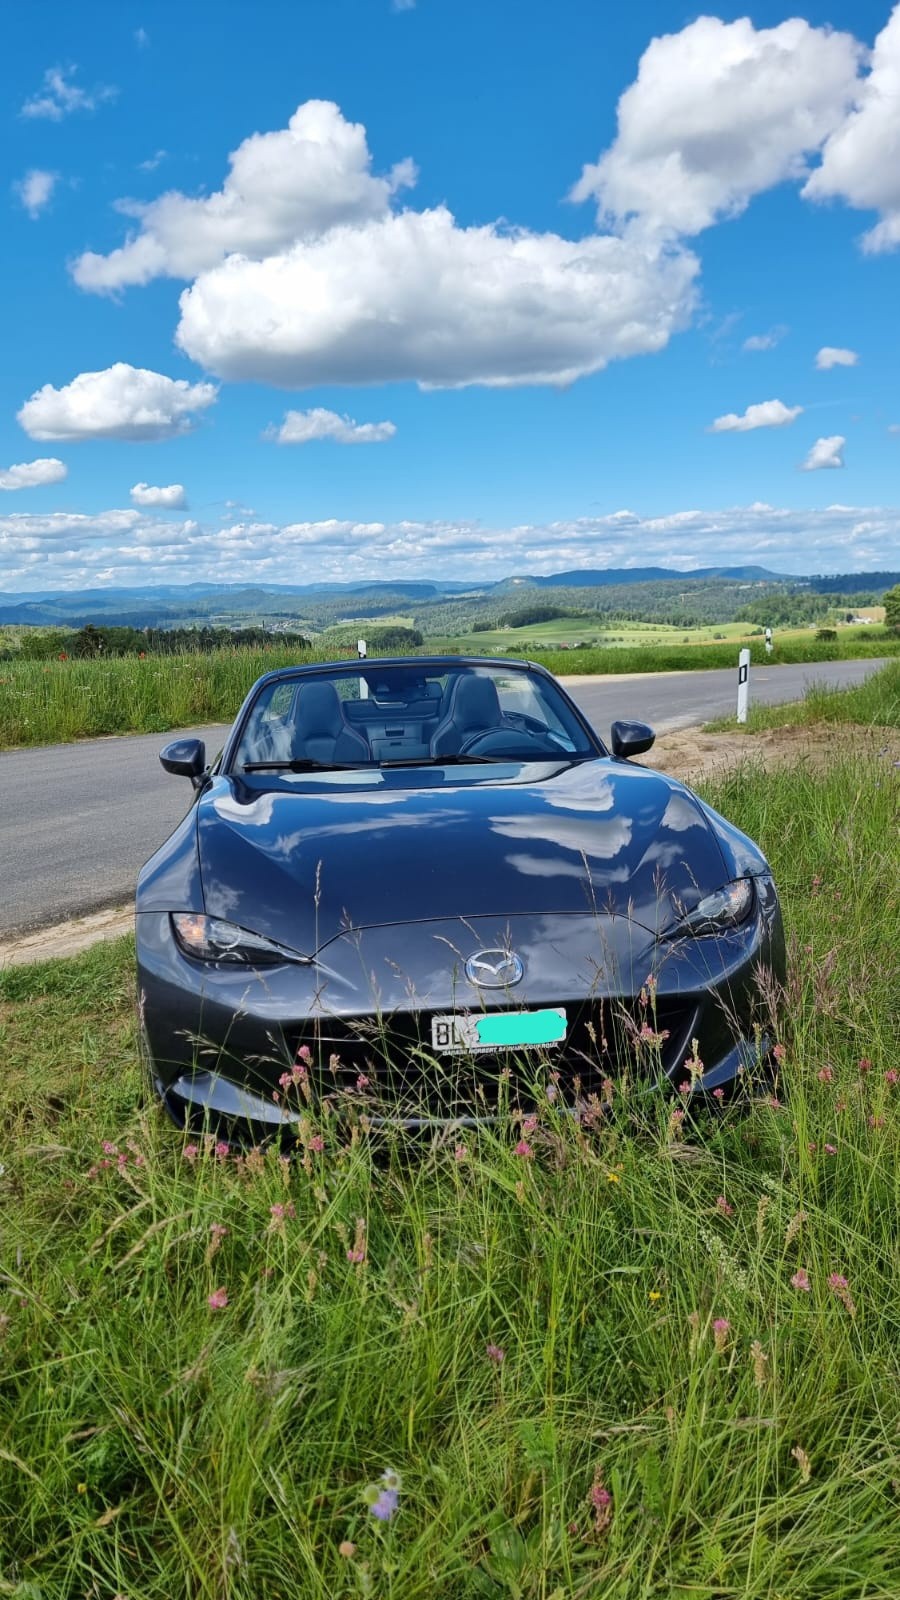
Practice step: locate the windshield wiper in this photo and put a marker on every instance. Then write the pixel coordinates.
(461, 760)
(306, 764)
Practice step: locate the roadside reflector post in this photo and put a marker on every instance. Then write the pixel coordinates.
(361, 649)
(743, 685)
(769, 645)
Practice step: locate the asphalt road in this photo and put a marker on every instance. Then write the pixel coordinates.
(78, 820)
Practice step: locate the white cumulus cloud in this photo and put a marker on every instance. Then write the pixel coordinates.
(861, 160)
(826, 453)
(291, 184)
(170, 495)
(302, 427)
(767, 414)
(60, 96)
(122, 402)
(830, 356)
(35, 190)
(414, 296)
(33, 474)
(764, 341)
(720, 112)
(74, 550)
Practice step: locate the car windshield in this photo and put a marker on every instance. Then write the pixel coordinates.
(408, 714)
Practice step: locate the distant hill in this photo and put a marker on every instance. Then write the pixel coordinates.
(171, 605)
(607, 577)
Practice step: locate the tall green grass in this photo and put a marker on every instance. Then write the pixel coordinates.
(850, 646)
(671, 1414)
(47, 702)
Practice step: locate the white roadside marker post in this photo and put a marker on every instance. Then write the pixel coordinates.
(361, 649)
(743, 685)
(769, 645)
(363, 686)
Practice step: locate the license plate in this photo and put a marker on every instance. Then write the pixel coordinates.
(498, 1030)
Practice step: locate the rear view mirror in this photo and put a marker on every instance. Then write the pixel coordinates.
(186, 758)
(631, 738)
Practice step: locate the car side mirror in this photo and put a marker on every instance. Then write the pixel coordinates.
(186, 758)
(631, 738)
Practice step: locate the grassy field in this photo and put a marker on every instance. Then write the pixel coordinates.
(647, 1359)
(600, 632)
(46, 702)
(874, 703)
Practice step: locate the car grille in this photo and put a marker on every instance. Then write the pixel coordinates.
(392, 1062)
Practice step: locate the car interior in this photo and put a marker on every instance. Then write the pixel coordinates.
(402, 717)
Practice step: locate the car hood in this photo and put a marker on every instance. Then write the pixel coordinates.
(304, 866)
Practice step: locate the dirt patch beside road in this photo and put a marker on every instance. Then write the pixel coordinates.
(67, 938)
(691, 754)
(688, 754)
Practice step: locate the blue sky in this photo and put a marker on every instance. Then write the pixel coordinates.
(543, 372)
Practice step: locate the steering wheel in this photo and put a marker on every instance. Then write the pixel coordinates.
(511, 741)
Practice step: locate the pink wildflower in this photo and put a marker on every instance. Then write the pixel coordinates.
(779, 1052)
(495, 1353)
(460, 1152)
(190, 1152)
(218, 1230)
(362, 1081)
(838, 1284)
(552, 1092)
(218, 1300)
(285, 1080)
(865, 1065)
(304, 1053)
(600, 1501)
(110, 1149)
(800, 1280)
(723, 1206)
(830, 1149)
(721, 1330)
(316, 1144)
(718, 1094)
(357, 1251)
(891, 1076)
(523, 1148)
(684, 1088)
(222, 1150)
(824, 1074)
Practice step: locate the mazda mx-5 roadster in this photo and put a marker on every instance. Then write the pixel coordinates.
(419, 885)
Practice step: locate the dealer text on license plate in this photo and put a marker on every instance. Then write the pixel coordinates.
(498, 1030)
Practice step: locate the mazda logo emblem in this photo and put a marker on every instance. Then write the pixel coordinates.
(494, 969)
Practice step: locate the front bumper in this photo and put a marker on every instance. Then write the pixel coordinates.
(219, 1038)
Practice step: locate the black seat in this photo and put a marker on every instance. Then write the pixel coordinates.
(473, 707)
(321, 732)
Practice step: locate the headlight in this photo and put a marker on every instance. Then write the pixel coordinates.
(211, 939)
(725, 908)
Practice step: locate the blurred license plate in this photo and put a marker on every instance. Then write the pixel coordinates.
(499, 1030)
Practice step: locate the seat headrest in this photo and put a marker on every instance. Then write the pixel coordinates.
(318, 710)
(476, 703)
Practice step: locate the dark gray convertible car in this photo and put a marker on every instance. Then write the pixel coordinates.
(420, 883)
